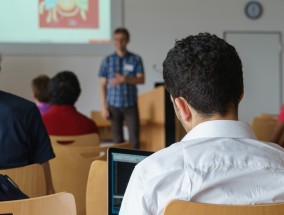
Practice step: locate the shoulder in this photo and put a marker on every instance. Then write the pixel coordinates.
(162, 162)
(135, 56)
(12, 101)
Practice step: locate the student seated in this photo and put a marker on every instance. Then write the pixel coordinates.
(63, 118)
(23, 137)
(40, 93)
(219, 160)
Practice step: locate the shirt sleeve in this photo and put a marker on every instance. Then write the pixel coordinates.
(133, 201)
(139, 66)
(41, 149)
(281, 114)
(103, 69)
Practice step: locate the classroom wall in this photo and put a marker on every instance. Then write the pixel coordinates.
(154, 26)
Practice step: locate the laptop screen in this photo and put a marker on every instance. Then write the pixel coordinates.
(121, 163)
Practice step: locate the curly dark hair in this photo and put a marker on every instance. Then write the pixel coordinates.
(64, 88)
(206, 71)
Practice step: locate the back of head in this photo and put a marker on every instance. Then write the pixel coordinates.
(207, 72)
(64, 88)
(40, 88)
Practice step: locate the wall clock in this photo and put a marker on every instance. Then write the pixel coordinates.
(253, 10)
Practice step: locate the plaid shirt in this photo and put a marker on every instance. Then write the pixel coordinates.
(123, 95)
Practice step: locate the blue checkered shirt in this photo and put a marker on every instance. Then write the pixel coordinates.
(123, 95)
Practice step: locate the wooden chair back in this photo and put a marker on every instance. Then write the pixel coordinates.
(96, 194)
(56, 204)
(70, 169)
(30, 179)
(263, 126)
(77, 140)
(179, 207)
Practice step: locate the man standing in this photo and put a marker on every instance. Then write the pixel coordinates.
(219, 160)
(119, 74)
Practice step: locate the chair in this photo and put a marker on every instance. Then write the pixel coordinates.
(96, 194)
(263, 126)
(30, 179)
(179, 207)
(70, 169)
(80, 140)
(56, 204)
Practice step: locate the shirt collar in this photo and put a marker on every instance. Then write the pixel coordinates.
(221, 128)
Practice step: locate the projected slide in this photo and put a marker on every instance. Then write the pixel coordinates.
(68, 13)
(55, 21)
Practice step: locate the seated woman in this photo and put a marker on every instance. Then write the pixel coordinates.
(63, 118)
(40, 93)
(278, 129)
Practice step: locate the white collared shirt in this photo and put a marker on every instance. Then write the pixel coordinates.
(217, 162)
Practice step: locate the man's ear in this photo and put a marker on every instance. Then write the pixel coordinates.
(183, 108)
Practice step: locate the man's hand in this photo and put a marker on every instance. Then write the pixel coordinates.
(117, 80)
(105, 113)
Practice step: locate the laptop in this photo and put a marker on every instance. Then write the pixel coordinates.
(121, 163)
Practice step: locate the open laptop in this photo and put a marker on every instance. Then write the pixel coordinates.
(121, 163)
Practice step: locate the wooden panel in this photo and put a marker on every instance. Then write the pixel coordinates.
(179, 207)
(56, 204)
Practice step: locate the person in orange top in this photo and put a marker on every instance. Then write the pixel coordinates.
(63, 118)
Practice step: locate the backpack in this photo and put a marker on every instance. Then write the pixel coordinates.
(9, 190)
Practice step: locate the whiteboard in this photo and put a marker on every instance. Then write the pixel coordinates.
(261, 56)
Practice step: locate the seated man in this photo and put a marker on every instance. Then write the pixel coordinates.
(63, 118)
(219, 160)
(23, 137)
(40, 93)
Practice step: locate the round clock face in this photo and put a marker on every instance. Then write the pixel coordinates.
(253, 10)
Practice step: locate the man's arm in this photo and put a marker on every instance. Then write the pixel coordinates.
(47, 173)
(119, 79)
(277, 132)
(103, 84)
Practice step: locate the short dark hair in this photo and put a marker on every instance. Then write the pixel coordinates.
(122, 31)
(206, 71)
(40, 88)
(64, 88)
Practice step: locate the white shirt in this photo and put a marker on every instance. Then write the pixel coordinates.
(217, 162)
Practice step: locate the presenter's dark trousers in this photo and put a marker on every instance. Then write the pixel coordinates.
(131, 116)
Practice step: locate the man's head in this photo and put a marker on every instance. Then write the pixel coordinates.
(121, 38)
(204, 76)
(64, 88)
(40, 88)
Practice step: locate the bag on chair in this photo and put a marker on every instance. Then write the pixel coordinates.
(9, 190)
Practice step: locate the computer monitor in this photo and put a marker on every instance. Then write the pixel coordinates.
(121, 163)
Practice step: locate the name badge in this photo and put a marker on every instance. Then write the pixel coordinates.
(128, 68)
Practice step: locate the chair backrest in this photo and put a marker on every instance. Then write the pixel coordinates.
(79, 140)
(56, 204)
(263, 126)
(70, 169)
(30, 179)
(179, 207)
(96, 194)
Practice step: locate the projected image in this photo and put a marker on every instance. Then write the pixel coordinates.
(68, 14)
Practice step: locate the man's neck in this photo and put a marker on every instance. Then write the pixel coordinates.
(121, 53)
(198, 119)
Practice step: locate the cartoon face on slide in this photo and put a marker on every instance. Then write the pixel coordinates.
(67, 5)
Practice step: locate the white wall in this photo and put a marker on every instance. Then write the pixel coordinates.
(154, 26)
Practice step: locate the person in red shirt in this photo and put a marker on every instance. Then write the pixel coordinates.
(63, 118)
